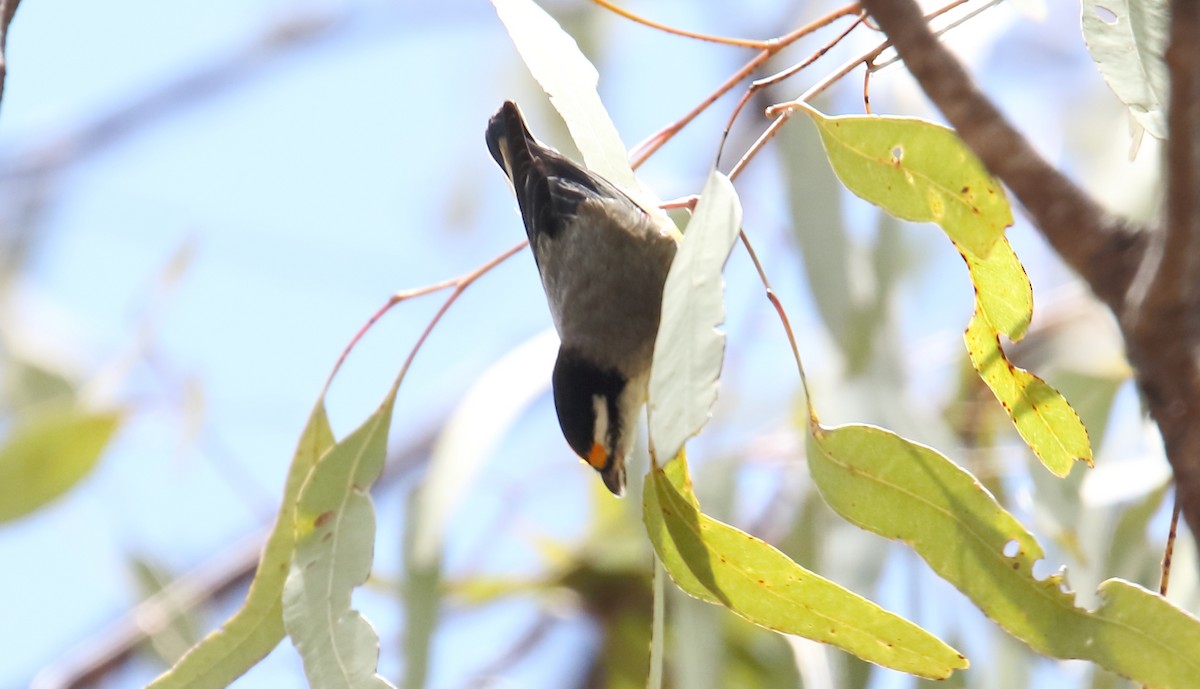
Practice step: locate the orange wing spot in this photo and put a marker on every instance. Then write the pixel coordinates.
(598, 457)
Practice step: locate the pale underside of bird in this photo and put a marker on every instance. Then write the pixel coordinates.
(603, 261)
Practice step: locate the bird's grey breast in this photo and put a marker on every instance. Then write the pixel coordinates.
(604, 279)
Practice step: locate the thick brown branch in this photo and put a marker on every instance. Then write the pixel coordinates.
(1162, 325)
(1150, 284)
(7, 9)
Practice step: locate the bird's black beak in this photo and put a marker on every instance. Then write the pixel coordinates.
(614, 476)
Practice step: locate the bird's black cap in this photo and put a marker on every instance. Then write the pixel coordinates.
(582, 392)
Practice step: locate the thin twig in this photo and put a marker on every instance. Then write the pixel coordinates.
(783, 318)
(760, 84)
(655, 141)
(723, 40)
(1169, 550)
(460, 283)
(954, 24)
(782, 112)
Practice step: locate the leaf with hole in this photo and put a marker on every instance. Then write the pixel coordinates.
(917, 170)
(909, 492)
(1127, 40)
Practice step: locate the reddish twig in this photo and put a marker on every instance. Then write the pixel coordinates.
(1169, 550)
(460, 284)
(655, 141)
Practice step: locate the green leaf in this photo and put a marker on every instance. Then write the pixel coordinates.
(335, 544)
(717, 563)
(49, 452)
(690, 348)
(257, 627)
(179, 629)
(917, 170)
(908, 492)
(1042, 416)
(1127, 41)
(1002, 290)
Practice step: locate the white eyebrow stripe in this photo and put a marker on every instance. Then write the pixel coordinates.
(600, 430)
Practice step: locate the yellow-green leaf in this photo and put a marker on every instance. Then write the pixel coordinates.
(47, 453)
(1042, 416)
(1002, 289)
(908, 492)
(257, 627)
(917, 170)
(719, 564)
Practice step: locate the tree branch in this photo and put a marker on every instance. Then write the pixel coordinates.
(7, 9)
(1162, 323)
(88, 664)
(1147, 278)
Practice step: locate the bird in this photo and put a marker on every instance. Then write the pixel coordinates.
(603, 261)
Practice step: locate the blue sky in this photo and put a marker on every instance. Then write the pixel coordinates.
(321, 179)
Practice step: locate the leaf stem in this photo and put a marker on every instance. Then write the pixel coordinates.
(787, 324)
(769, 48)
(460, 284)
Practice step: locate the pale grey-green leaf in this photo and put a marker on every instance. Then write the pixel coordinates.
(690, 348)
(569, 79)
(1126, 39)
(335, 541)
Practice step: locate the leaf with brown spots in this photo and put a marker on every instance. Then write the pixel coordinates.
(717, 563)
(334, 547)
(909, 492)
(917, 170)
(1042, 416)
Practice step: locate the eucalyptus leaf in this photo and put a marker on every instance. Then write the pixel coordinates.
(690, 349)
(569, 79)
(257, 627)
(1127, 39)
(48, 452)
(909, 492)
(917, 170)
(720, 564)
(334, 548)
